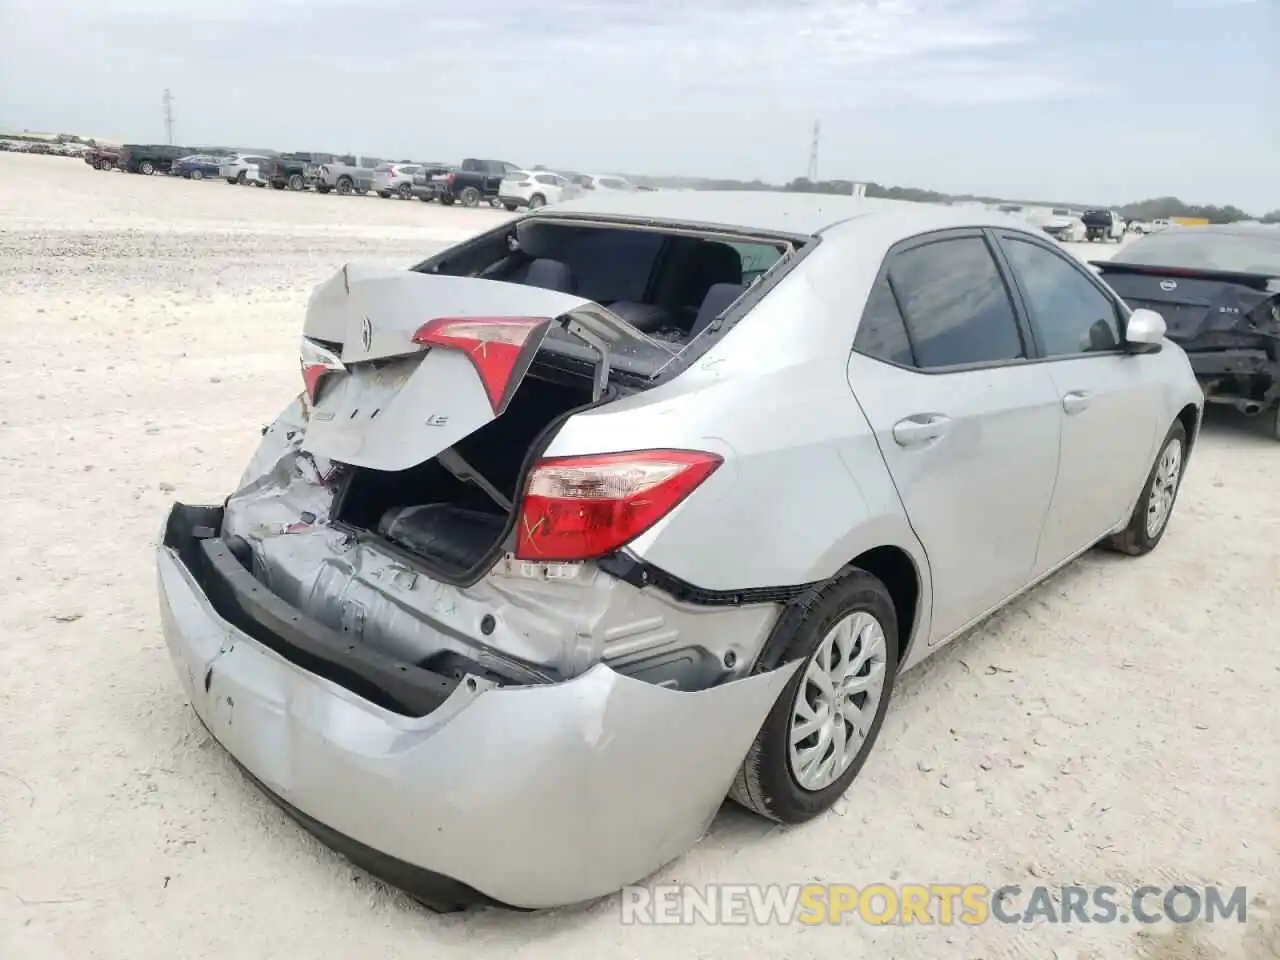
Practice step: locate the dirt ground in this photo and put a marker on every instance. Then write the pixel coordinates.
(1117, 726)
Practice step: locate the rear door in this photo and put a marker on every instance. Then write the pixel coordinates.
(967, 422)
(1110, 399)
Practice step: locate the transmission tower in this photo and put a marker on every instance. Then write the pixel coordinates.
(813, 152)
(168, 115)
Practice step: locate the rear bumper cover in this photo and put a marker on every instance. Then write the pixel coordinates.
(527, 796)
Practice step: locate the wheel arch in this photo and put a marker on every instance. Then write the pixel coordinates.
(893, 566)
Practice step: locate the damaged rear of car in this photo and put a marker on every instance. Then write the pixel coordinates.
(1218, 289)
(419, 632)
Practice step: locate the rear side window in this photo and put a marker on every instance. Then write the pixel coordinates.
(882, 333)
(955, 304)
(1072, 315)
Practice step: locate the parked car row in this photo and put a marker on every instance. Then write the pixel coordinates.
(472, 182)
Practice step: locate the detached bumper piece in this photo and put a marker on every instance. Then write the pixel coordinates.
(457, 790)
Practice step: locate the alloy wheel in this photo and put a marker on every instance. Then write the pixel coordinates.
(836, 704)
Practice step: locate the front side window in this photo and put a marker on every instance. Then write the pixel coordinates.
(955, 304)
(1072, 315)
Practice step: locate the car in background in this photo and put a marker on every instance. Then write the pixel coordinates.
(345, 175)
(103, 158)
(431, 182)
(394, 180)
(198, 166)
(150, 158)
(244, 168)
(1218, 289)
(572, 526)
(605, 182)
(293, 171)
(475, 180)
(534, 189)
(1064, 225)
(1104, 225)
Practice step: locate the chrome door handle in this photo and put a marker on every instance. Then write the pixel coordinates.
(920, 428)
(1074, 402)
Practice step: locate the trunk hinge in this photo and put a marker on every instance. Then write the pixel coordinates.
(452, 461)
(602, 364)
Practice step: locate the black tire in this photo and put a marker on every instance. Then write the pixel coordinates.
(278, 184)
(385, 194)
(510, 207)
(405, 191)
(146, 168)
(323, 188)
(470, 197)
(536, 201)
(257, 183)
(197, 174)
(231, 180)
(447, 201)
(345, 185)
(766, 783)
(1136, 539)
(296, 183)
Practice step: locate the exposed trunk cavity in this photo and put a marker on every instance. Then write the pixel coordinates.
(453, 510)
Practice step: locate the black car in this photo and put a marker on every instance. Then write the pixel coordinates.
(1218, 289)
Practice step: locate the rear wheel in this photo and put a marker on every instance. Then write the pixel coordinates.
(322, 188)
(344, 186)
(278, 184)
(510, 207)
(446, 201)
(536, 201)
(297, 183)
(470, 197)
(385, 194)
(825, 722)
(197, 174)
(147, 168)
(405, 191)
(1151, 515)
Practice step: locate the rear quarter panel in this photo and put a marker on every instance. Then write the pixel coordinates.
(803, 488)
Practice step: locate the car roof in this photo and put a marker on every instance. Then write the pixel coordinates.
(792, 214)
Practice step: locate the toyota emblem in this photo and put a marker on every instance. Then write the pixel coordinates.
(1165, 285)
(366, 333)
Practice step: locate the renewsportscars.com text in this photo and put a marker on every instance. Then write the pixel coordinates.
(932, 904)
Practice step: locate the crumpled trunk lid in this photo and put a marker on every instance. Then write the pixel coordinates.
(398, 402)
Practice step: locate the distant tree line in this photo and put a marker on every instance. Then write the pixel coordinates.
(1158, 208)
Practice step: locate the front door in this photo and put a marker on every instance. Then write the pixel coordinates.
(1108, 402)
(967, 426)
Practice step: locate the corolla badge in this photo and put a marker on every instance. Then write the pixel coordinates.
(366, 333)
(1165, 285)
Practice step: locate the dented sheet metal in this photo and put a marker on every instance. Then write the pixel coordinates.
(539, 627)
(517, 791)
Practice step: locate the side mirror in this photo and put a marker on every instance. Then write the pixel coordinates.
(1144, 333)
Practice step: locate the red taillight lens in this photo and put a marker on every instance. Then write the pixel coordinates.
(317, 363)
(500, 348)
(578, 508)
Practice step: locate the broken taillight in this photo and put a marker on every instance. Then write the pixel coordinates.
(579, 508)
(500, 348)
(317, 363)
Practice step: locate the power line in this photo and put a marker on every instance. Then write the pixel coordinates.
(168, 115)
(813, 152)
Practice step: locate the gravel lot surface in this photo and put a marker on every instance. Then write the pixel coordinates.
(1117, 726)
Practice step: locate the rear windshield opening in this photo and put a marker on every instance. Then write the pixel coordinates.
(667, 285)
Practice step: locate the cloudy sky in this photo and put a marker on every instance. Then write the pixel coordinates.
(1082, 100)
